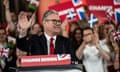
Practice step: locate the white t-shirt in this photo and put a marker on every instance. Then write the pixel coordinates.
(92, 61)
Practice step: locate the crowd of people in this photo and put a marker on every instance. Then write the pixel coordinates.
(95, 48)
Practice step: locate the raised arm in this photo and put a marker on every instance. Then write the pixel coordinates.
(24, 23)
(63, 28)
(11, 26)
(103, 49)
(79, 51)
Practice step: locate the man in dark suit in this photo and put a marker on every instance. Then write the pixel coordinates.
(41, 45)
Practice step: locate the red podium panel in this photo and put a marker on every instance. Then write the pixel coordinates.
(45, 60)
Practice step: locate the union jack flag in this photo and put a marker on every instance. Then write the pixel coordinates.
(70, 11)
(81, 13)
(109, 12)
(117, 15)
(116, 35)
(117, 2)
(77, 2)
(4, 52)
(63, 56)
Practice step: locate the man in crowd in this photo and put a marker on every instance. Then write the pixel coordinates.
(92, 52)
(49, 42)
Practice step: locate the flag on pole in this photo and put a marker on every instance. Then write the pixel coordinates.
(92, 21)
(68, 14)
(68, 11)
(109, 12)
(33, 4)
(81, 13)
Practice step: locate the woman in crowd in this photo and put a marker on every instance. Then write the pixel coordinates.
(114, 47)
(106, 36)
(73, 26)
(36, 29)
(76, 41)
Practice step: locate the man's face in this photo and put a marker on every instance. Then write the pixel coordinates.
(2, 35)
(87, 35)
(52, 23)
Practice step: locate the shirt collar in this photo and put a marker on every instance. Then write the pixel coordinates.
(48, 37)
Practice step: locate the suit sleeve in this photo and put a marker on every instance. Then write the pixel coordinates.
(22, 44)
(68, 48)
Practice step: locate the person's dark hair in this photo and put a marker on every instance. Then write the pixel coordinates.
(71, 23)
(74, 32)
(88, 28)
(110, 23)
(39, 26)
(74, 22)
(47, 13)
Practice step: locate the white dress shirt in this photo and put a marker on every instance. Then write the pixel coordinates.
(48, 41)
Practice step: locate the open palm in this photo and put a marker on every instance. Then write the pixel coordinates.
(23, 21)
(6, 3)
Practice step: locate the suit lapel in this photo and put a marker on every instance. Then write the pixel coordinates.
(58, 45)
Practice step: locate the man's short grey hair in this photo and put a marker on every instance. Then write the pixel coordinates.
(47, 13)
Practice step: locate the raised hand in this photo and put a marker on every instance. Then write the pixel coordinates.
(23, 21)
(6, 3)
(23, 24)
(63, 25)
(96, 35)
(96, 38)
(63, 28)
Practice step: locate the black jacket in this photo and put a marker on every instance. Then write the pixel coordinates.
(37, 45)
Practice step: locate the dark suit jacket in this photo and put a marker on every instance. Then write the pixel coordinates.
(37, 45)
